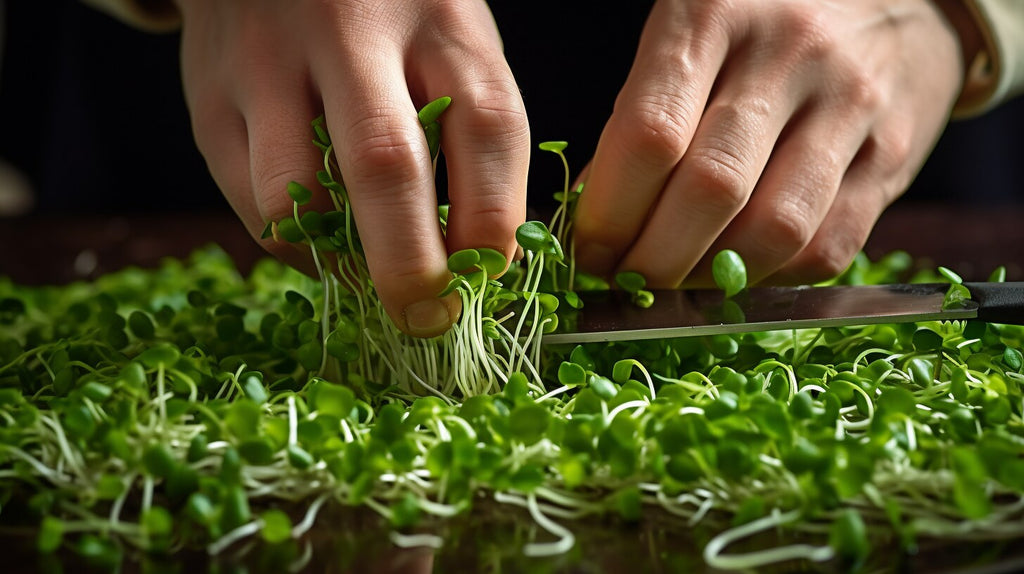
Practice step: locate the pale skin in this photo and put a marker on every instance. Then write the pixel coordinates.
(779, 129)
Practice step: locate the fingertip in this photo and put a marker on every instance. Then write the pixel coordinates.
(430, 317)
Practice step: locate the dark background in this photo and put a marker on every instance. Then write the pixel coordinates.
(92, 111)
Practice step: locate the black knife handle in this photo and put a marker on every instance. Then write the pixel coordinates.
(999, 302)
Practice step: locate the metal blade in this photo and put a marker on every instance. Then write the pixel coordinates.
(611, 316)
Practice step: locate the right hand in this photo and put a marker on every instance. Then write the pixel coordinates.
(256, 72)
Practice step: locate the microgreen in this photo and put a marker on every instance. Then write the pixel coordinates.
(729, 272)
(185, 405)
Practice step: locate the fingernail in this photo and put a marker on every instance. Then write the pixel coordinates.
(427, 318)
(595, 258)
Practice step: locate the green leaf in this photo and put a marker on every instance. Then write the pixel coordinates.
(340, 348)
(433, 134)
(277, 526)
(256, 451)
(430, 113)
(243, 419)
(311, 222)
(492, 261)
(535, 236)
(198, 448)
(630, 281)
(97, 392)
(330, 399)
(406, 511)
(299, 193)
(158, 460)
(299, 457)
(141, 325)
(950, 275)
(848, 536)
(1013, 358)
(463, 260)
(729, 272)
(927, 340)
(528, 422)
(603, 387)
(254, 389)
(955, 297)
(160, 355)
(51, 535)
(998, 275)
(553, 146)
(897, 400)
(571, 374)
(623, 370)
(289, 230)
(969, 490)
(157, 522)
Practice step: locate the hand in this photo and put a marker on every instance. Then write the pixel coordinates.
(778, 129)
(256, 72)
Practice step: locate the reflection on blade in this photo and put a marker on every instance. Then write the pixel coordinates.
(610, 316)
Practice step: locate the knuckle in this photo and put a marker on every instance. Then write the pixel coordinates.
(810, 35)
(496, 112)
(655, 129)
(718, 183)
(789, 230)
(894, 147)
(709, 14)
(860, 89)
(381, 150)
(455, 19)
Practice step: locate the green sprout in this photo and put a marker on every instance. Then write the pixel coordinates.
(190, 407)
(729, 272)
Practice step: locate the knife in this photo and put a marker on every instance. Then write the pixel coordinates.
(611, 316)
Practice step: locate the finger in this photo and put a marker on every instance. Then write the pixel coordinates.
(794, 194)
(877, 175)
(732, 145)
(221, 137)
(485, 136)
(383, 154)
(278, 115)
(649, 130)
(841, 235)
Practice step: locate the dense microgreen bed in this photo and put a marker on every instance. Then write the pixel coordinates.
(187, 406)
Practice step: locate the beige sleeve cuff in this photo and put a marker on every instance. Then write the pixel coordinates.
(997, 73)
(150, 15)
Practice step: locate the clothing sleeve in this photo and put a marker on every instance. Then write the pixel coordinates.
(997, 73)
(149, 15)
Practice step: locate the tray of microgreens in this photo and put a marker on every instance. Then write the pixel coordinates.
(186, 407)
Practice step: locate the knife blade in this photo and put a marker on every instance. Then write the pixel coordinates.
(611, 316)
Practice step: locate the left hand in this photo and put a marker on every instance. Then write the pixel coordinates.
(778, 129)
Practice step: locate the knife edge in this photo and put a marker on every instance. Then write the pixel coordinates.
(610, 316)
